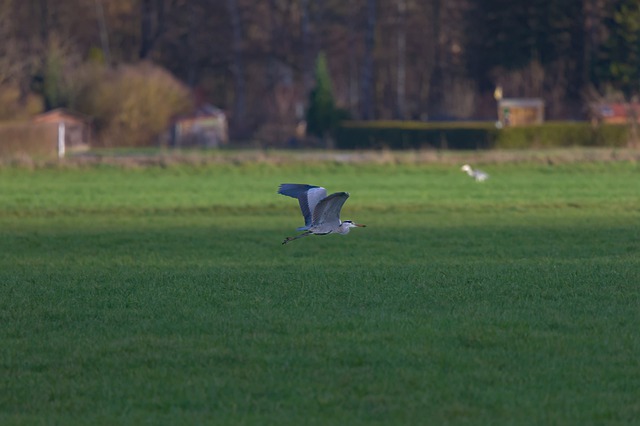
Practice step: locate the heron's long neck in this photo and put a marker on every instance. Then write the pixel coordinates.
(343, 228)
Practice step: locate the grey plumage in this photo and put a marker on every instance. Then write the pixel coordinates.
(321, 212)
(308, 197)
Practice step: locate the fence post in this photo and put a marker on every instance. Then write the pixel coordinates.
(61, 146)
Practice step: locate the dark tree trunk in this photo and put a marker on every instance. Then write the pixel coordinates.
(307, 54)
(104, 33)
(43, 6)
(401, 107)
(151, 25)
(436, 89)
(237, 70)
(366, 104)
(192, 63)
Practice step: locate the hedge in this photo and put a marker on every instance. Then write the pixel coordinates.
(475, 135)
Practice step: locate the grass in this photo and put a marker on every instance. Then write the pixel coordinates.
(163, 296)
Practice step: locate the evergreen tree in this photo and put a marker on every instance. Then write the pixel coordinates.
(620, 56)
(52, 82)
(321, 115)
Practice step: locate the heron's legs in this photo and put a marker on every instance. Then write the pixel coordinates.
(304, 234)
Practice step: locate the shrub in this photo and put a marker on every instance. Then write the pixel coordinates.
(13, 106)
(476, 135)
(414, 135)
(131, 105)
(562, 134)
(612, 135)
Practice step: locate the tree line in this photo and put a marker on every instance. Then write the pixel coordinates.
(386, 59)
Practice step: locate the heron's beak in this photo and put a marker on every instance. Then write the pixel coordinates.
(360, 225)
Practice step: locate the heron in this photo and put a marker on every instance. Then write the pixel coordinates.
(478, 175)
(321, 212)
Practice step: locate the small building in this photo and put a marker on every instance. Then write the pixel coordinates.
(47, 135)
(74, 129)
(614, 112)
(206, 128)
(520, 111)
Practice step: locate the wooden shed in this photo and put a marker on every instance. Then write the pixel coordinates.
(206, 128)
(520, 111)
(47, 135)
(74, 129)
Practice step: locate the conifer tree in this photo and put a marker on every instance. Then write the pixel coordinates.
(321, 115)
(620, 56)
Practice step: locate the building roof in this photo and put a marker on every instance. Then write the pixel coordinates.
(62, 114)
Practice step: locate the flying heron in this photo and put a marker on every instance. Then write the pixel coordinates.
(321, 212)
(478, 175)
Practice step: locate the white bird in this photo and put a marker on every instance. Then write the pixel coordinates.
(321, 212)
(478, 175)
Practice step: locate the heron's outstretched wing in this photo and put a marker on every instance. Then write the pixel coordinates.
(308, 196)
(328, 209)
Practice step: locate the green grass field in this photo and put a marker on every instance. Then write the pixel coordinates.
(164, 296)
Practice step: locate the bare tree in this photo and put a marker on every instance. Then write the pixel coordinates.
(152, 25)
(388, 58)
(436, 89)
(45, 19)
(307, 54)
(104, 33)
(192, 12)
(401, 106)
(366, 100)
(353, 75)
(237, 69)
